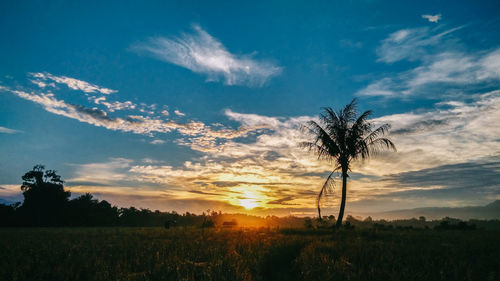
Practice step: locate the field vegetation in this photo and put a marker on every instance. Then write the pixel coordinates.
(52, 237)
(193, 253)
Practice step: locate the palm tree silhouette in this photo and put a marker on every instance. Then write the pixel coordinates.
(342, 137)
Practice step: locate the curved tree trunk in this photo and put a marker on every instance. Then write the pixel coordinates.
(319, 212)
(319, 201)
(342, 203)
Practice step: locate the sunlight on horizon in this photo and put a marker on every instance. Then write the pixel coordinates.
(248, 203)
(249, 196)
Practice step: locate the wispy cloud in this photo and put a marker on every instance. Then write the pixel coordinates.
(278, 170)
(487, 170)
(444, 65)
(43, 80)
(138, 124)
(444, 69)
(10, 193)
(8, 131)
(40, 79)
(157, 141)
(113, 105)
(413, 44)
(178, 113)
(453, 132)
(271, 168)
(432, 18)
(202, 53)
(106, 173)
(144, 120)
(156, 199)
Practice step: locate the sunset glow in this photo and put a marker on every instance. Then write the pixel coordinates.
(249, 203)
(174, 109)
(250, 140)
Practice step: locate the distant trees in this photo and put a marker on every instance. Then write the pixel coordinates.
(342, 137)
(42, 188)
(87, 211)
(46, 203)
(141, 217)
(8, 215)
(45, 199)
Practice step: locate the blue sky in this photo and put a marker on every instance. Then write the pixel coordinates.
(190, 106)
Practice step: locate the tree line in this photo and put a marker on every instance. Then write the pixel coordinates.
(47, 203)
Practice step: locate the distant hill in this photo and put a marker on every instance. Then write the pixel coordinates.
(490, 211)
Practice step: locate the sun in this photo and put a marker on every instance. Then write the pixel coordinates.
(249, 203)
(248, 196)
(249, 199)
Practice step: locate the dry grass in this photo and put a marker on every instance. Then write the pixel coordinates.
(258, 254)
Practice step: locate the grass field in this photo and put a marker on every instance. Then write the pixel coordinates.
(257, 254)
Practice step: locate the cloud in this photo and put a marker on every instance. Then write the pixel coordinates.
(106, 173)
(41, 79)
(270, 170)
(440, 74)
(254, 119)
(97, 117)
(157, 141)
(42, 84)
(482, 175)
(444, 66)
(10, 193)
(282, 201)
(384, 87)
(452, 132)
(155, 199)
(432, 18)
(71, 83)
(197, 135)
(114, 105)
(448, 135)
(8, 131)
(178, 113)
(204, 54)
(453, 138)
(227, 181)
(414, 44)
(460, 184)
(264, 171)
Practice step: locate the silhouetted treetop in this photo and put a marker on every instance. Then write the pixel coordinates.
(39, 176)
(44, 197)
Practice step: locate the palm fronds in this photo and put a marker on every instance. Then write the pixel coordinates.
(343, 136)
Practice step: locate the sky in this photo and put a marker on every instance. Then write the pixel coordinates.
(197, 105)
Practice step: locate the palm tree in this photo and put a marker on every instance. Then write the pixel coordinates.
(342, 137)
